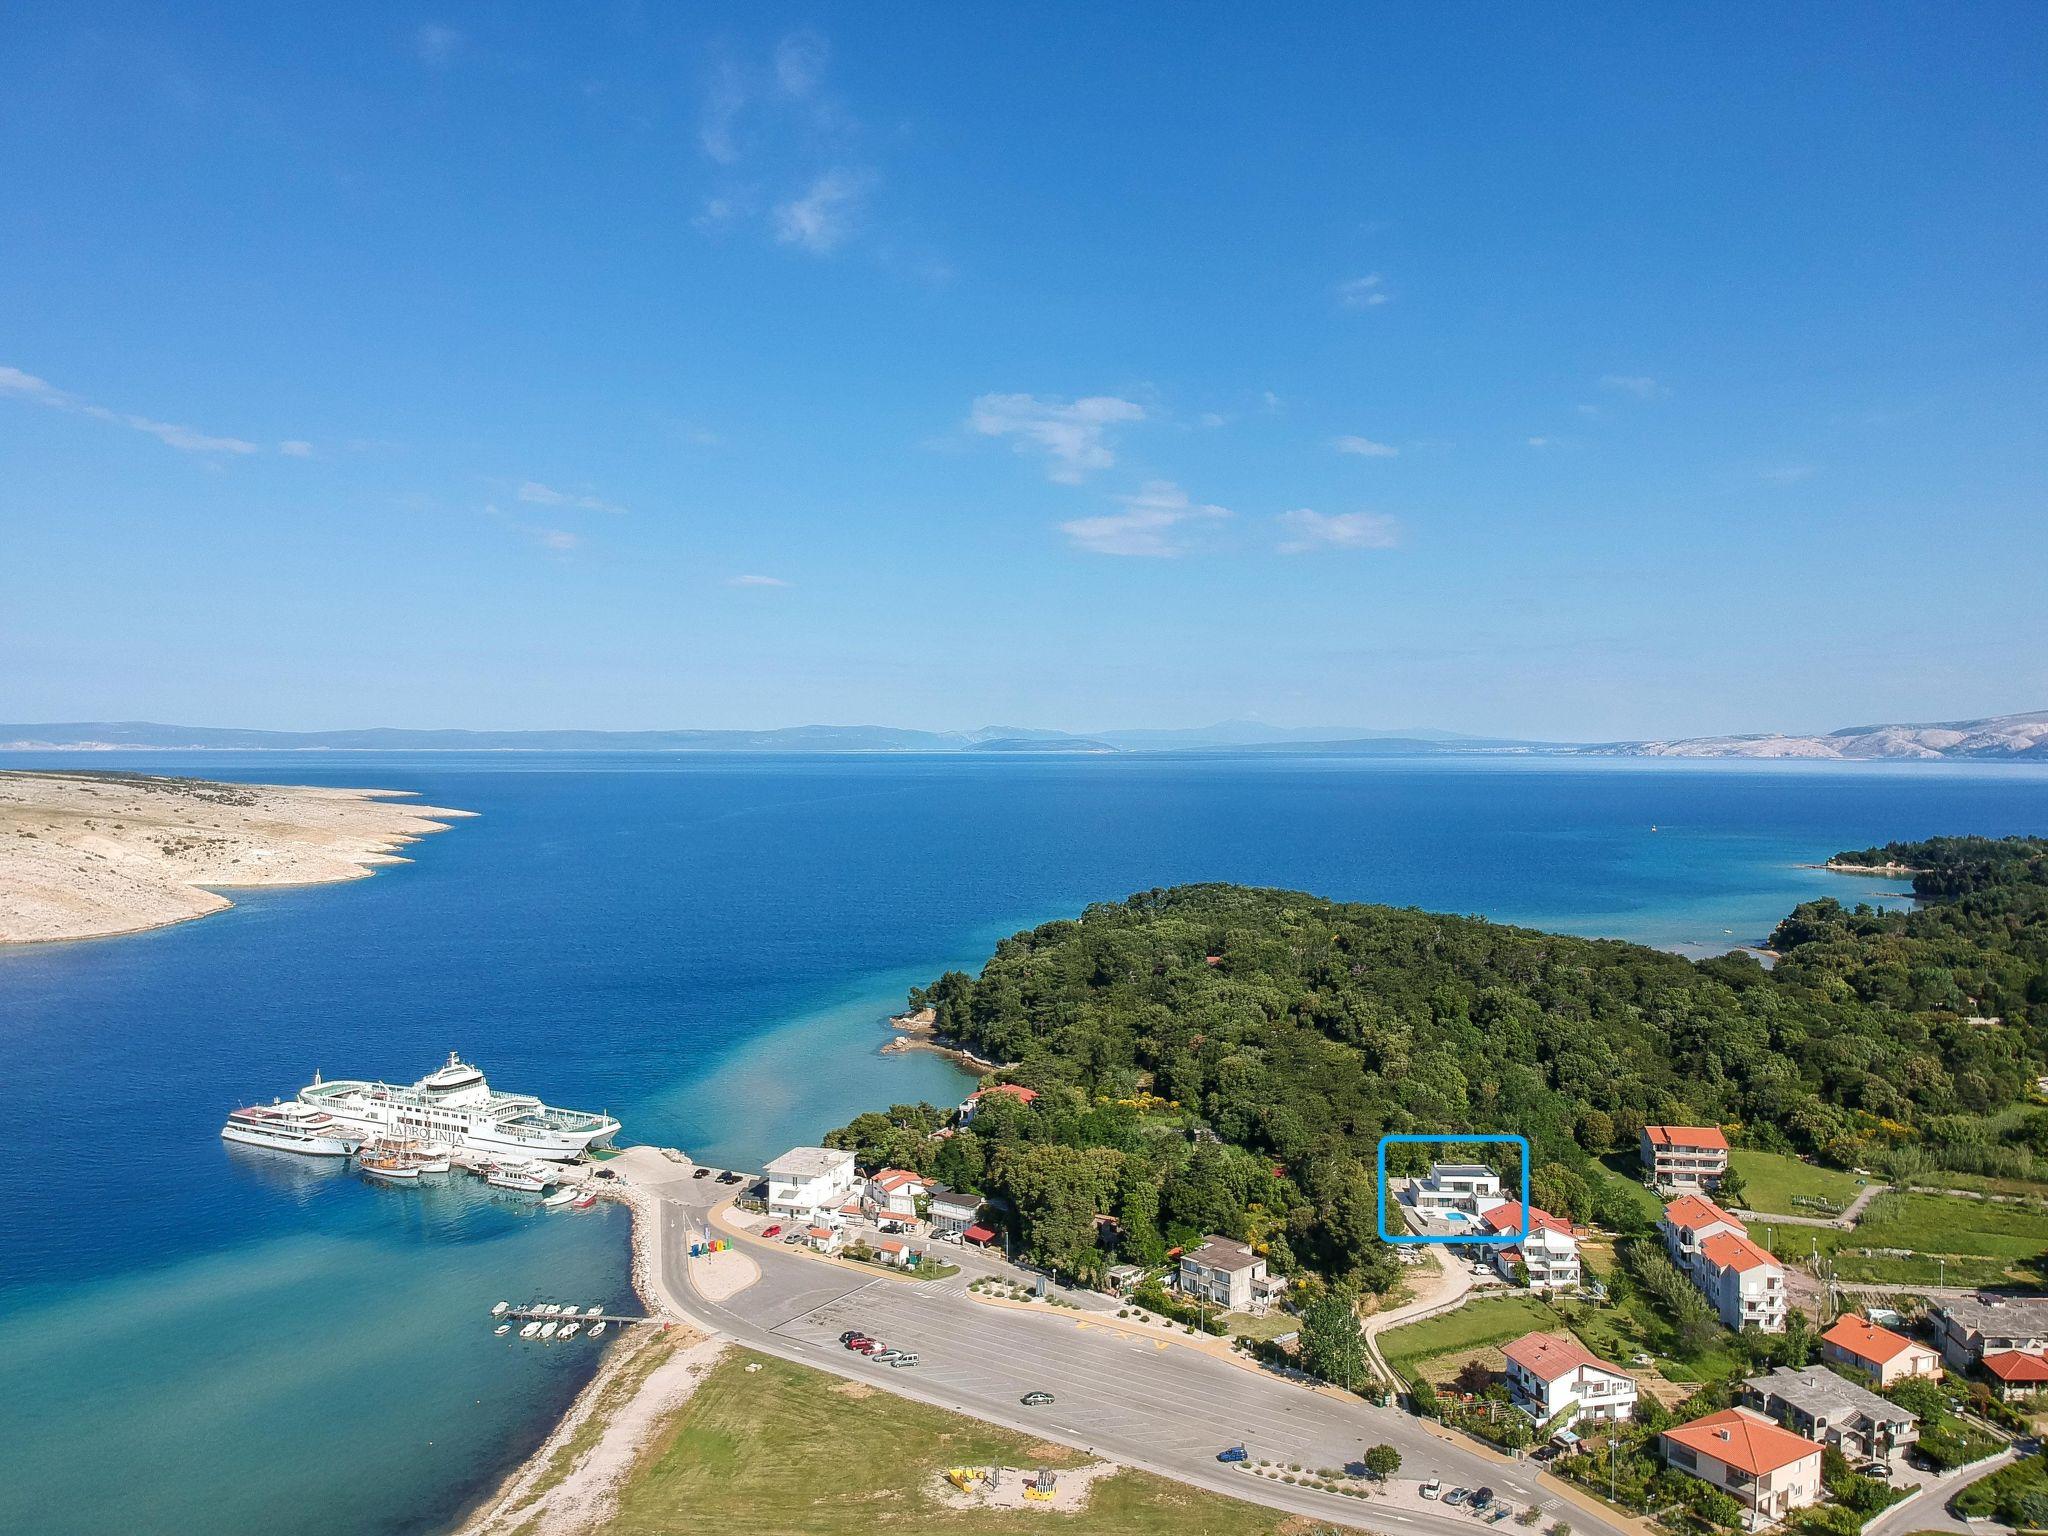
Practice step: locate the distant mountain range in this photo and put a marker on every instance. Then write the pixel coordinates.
(2001, 737)
(2004, 738)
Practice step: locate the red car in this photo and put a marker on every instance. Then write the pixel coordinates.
(774, 1231)
(866, 1346)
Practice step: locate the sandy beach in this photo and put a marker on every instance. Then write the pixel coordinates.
(88, 855)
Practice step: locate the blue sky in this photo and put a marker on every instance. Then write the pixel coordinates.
(1617, 372)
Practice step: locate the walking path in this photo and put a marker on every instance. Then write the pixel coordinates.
(1446, 1292)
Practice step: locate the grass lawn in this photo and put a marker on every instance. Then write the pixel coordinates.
(786, 1449)
(1772, 1182)
(1476, 1325)
(1438, 1346)
(1981, 1242)
(1627, 1171)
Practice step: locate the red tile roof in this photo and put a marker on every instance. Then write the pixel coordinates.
(1507, 1217)
(1686, 1136)
(1016, 1091)
(2016, 1365)
(978, 1233)
(893, 1179)
(1726, 1250)
(1691, 1212)
(1862, 1338)
(1552, 1356)
(1744, 1440)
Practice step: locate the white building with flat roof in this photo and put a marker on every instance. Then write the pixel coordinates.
(1463, 1187)
(807, 1180)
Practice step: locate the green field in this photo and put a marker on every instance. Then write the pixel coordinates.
(784, 1448)
(1475, 1325)
(1772, 1182)
(1981, 1242)
(1626, 1170)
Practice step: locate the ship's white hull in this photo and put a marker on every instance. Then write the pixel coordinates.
(376, 1122)
(309, 1146)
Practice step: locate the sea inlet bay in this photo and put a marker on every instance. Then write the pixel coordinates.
(197, 1339)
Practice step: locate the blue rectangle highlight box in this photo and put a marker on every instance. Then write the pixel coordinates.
(1421, 1239)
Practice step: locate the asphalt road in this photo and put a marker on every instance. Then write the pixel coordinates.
(1140, 1401)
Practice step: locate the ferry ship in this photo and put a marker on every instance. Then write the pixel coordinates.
(453, 1104)
(291, 1127)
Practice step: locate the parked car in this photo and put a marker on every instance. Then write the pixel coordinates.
(774, 1231)
(1235, 1453)
(1035, 1399)
(869, 1346)
(794, 1237)
(1433, 1489)
(728, 1177)
(857, 1341)
(884, 1356)
(850, 1335)
(604, 1173)
(1875, 1469)
(906, 1358)
(1457, 1496)
(701, 1173)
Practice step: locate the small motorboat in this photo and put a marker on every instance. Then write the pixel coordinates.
(502, 1329)
(547, 1330)
(500, 1178)
(390, 1169)
(568, 1330)
(593, 1312)
(501, 1309)
(529, 1330)
(585, 1200)
(561, 1196)
(596, 1329)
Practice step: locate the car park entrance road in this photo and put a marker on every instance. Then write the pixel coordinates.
(1142, 1401)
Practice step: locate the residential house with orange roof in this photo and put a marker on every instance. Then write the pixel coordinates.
(1553, 1373)
(1887, 1358)
(1548, 1253)
(1017, 1091)
(1767, 1470)
(1680, 1158)
(1745, 1283)
(2015, 1373)
(894, 1192)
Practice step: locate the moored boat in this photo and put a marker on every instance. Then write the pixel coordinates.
(455, 1105)
(529, 1330)
(568, 1330)
(501, 1309)
(504, 1178)
(598, 1328)
(502, 1329)
(290, 1128)
(547, 1330)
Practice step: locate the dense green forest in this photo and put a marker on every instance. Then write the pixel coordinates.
(1215, 1058)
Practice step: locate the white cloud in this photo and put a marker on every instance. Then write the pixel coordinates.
(800, 60)
(1306, 530)
(540, 495)
(1367, 292)
(26, 386)
(436, 44)
(1152, 524)
(820, 220)
(755, 581)
(1365, 447)
(1541, 442)
(1072, 433)
(295, 448)
(1211, 420)
(723, 103)
(559, 540)
(1641, 385)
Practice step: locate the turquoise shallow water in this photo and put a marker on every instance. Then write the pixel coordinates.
(198, 1340)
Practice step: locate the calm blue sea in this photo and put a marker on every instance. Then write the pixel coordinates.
(195, 1340)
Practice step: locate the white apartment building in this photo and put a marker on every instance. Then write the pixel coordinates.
(1745, 1283)
(1548, 1252)
(1550, 1374)
(1683, 1158)
(807, 1180)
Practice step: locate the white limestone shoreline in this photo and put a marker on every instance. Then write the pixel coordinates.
(87, 855)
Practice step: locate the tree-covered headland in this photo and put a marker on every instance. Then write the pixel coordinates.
(1215, 1058)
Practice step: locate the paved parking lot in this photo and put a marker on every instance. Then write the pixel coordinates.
(1142, 1401)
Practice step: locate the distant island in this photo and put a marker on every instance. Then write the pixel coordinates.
(86, 855)
(1998, 738)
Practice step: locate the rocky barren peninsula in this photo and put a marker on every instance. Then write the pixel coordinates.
(85, 855)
